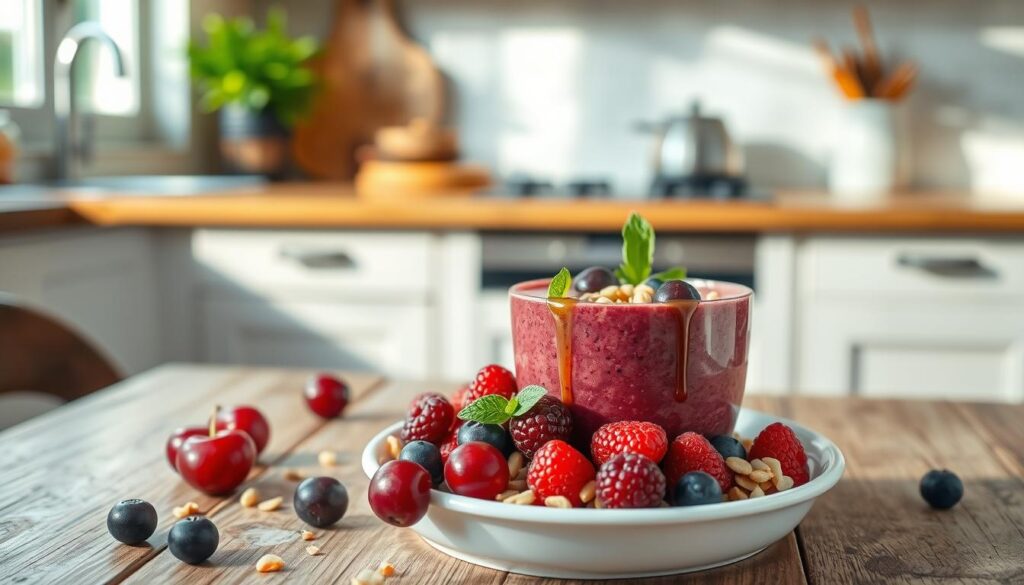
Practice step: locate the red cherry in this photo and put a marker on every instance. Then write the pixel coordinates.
(247, 419)
(177, 438)
(326, 395)
(399, 492)
(216, 464)
(477, 470)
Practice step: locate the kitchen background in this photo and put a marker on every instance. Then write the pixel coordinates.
(537, 92)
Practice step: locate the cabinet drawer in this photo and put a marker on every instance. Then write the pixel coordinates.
(912, 266)
(354, 265)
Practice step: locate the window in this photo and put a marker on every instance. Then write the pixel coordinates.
(21, 51)
(99, 86)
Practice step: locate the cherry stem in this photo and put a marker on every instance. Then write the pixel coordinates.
(213, 420)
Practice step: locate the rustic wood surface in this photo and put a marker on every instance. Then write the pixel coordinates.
(59, 475)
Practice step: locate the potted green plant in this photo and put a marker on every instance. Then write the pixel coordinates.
(259, 82)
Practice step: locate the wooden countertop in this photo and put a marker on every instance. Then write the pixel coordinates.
(62, 472)
(326, 205)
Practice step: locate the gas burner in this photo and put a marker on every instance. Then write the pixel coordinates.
(525, 186)
(584, 188)
(701, 187)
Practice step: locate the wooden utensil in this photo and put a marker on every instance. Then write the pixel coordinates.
(872, 62)
(847, 80)
(373, 76)
(895, 85)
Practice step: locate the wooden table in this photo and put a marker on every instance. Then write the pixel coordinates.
(59, 475)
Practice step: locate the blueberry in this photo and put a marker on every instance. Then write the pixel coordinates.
(696, 488)
(676, 290)
(428, 456)
(654, 283)
(193, 539)
(594, 279)
(320, 501)
(132, 521)
(942, 489)
(494, 435)
(728, 447)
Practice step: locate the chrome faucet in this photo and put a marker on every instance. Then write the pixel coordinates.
(69, 145)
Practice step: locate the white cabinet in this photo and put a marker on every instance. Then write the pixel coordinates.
(101, 282)
(911, 317)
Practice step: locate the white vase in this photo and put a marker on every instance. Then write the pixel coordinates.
(865, 161)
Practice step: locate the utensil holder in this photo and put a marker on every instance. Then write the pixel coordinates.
(865, 164)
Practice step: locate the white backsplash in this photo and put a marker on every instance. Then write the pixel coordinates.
(553, 88)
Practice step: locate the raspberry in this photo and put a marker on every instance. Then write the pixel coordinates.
(429, 419)
(449, 444)
(460, 398)
(559, 470)
(778, 441)
(492, 379)
(630, 480)
(549, 419)
(628, 436)
(692, 452)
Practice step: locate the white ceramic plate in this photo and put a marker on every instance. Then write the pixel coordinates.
(587, 543)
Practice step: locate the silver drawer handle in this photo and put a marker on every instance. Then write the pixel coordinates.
(951, 266)
(319, 259)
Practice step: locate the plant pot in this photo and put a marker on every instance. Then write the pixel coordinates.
(253, 142)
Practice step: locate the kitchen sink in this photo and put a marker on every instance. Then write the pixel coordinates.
(141, 185)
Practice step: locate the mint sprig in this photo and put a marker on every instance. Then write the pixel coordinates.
(637, 250)
(494, 409)
(560, 285)
(677, 273)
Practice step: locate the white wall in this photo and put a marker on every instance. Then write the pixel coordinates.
(553, 87)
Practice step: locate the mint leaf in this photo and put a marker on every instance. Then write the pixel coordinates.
(489, 409)
(511, 407)
(676, 273)
(527, 397)
(560, 284)
(637, 250)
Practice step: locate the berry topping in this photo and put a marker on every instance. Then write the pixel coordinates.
(450, 443)
(399, 493)
(559, 470)
(728, 447)
(692, 452)
(320, 501)
(429, 419)
(494, 435)
(594, 279)
(193, 540)
(476, 470)
(942, 489)
(547, 420)
(629, 436)
(132, 521)
(492, 379)
(428, 456)
(676, 290)
(696, 488)
(630, 480)
(778, 441)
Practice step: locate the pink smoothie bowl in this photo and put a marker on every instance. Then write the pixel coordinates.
(624, 358)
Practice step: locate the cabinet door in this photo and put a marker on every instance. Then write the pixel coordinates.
(388, 339)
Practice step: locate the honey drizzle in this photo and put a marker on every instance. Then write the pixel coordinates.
(562, 309)
(685, 310)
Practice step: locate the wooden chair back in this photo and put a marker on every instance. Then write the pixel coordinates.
(40, 354)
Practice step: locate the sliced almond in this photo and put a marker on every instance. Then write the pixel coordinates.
(736, 494)
(368, 577)
(557, 502)
(757, 492)
(271, 504)
(775, 467)
(307, 535)
(740, 466)
(589, 492)
(747, 444)
(386, 569)
(293, 475)
(269, 564)
(312, 550)
(610, 292)
(760, 475)
(515, 464)
(603, 300)
(526, 498)
(189, 509)
(745, 482)
(249, 498)
(759, 464)
(327, 458)
(394, 446)
(505, 495)
(785, 483)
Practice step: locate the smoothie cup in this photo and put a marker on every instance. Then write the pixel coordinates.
(682, 365)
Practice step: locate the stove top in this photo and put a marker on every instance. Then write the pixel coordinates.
(694, 187)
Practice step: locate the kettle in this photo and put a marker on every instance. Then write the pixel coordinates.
(693, 146)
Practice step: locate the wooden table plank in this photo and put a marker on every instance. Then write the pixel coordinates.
(875, 528)
(62, 472)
